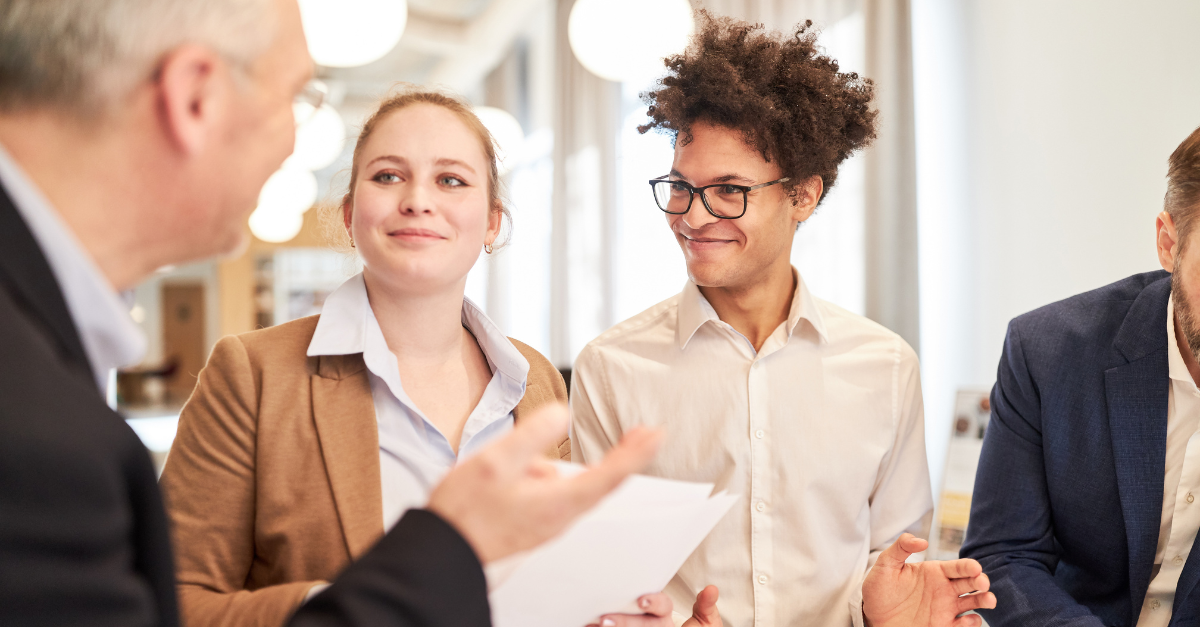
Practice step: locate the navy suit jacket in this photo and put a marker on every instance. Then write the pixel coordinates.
(1069, 491)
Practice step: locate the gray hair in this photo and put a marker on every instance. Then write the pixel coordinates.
(85, 56)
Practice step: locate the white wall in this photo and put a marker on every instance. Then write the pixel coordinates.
(1043, 132)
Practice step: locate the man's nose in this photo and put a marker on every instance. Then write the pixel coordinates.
(697, 216)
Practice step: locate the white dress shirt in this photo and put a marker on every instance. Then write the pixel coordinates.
(1181, 485)
(109, 336)
(413, 453)
(821, 432)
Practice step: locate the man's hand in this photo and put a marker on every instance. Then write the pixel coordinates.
(508, 498)
(657, 612)
(898, 594)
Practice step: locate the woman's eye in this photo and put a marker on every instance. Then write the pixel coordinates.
(451, 181)
(386, 177)
(730, 190)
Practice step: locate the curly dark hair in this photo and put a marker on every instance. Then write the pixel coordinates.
(787, 97)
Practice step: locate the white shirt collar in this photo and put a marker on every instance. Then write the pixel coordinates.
(695, 310)
(343, 330)
(109, 336)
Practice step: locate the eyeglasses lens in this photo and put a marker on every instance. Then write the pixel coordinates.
(727, 202)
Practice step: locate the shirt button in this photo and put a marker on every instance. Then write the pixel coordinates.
(761, 506)
(1178, 561)
(762, 579)
(1154, 605)
(1190, 498)
(759, 434)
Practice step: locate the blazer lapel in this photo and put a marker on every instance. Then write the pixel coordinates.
(1137, 418)
(26, 274)
(344, 413)
(1137, 415)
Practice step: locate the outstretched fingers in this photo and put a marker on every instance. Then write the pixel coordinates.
(961, 568)
(634, 453)
(970, 620)
(983, 600)
(967, 585)
(534, 434)
(894, 556)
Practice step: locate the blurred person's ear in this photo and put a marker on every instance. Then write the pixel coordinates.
(194, 87)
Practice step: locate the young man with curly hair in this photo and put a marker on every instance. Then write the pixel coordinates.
(811, 413)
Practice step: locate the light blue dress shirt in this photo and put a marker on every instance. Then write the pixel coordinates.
(109, 336)
(413, 453)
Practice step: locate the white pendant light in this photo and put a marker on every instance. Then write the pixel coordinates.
(506, 132)
(626, 40)
(282, 203)
(319, 140)
(272, 225)
(348, 33)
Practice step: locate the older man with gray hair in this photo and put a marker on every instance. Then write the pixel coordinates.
(136, 134)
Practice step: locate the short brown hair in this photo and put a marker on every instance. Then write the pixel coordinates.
(1183, 185)
(787, 98)
(407, 94)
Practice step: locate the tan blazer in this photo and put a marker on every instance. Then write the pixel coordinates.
(272, 484)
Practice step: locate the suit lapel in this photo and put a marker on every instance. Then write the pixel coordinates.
(344, 413)
(26, 274)
(1136, 392)
(1137, 418)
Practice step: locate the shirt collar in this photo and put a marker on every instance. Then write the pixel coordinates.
(109, 336)
(1176, 367)
(342, 329)
(695, 310)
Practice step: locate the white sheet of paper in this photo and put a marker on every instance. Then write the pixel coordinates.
(630, 544)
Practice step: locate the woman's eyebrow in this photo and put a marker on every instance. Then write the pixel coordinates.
(444, 161)
(392, 158)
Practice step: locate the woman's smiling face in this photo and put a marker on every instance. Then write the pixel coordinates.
(419, 214)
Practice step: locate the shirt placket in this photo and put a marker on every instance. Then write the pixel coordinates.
(760, 501)
(1184, 523)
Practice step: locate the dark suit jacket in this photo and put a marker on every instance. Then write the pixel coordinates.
(1068, 496)
(83, 536)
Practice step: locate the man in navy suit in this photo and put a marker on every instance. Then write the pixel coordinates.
(1085, 507)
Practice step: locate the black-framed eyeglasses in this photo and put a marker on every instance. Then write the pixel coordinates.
(727, 201)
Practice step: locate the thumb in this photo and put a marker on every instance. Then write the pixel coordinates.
(532, 436)
(705, 609)
(893, 557)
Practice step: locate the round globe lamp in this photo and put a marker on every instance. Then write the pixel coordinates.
(626, 40)
(319, 139)
(506, 133)
(349, 33)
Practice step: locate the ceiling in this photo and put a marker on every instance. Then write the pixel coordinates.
(453, 43)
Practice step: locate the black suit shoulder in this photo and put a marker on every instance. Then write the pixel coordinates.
(83, 536)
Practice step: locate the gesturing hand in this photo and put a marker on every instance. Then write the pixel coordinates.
(899, 594)
(508, 498)
(657, 612)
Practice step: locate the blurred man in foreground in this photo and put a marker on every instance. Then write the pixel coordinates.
(1084, 511)
(136, 134)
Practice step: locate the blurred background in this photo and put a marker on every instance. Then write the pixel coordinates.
(1021, 160)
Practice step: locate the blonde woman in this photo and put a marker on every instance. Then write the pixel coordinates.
(304, 442)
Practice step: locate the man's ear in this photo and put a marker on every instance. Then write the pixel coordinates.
(804, 198)
(193, 89)
(1167, 241)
